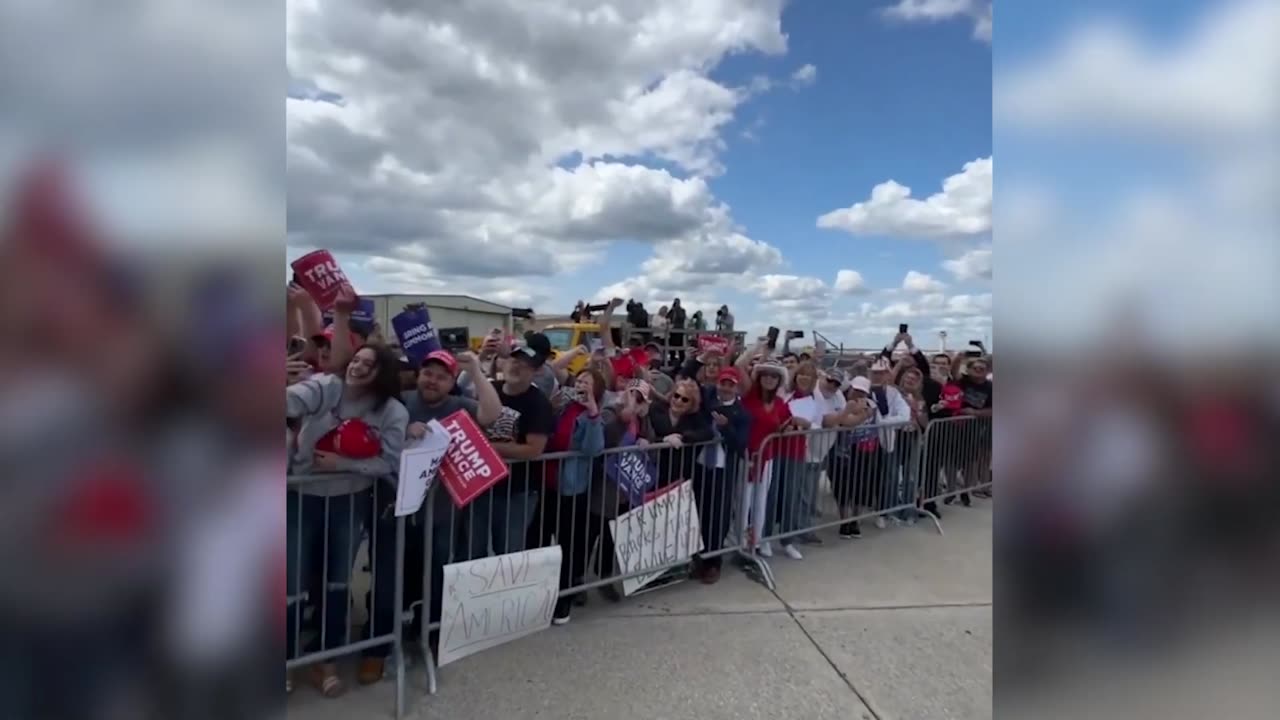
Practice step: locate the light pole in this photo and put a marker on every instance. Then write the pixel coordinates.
(942, 339)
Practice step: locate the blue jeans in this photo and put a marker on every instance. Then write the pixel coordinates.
(807, 507)
(313, 522)
(786, 487)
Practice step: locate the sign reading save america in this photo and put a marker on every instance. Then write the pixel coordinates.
(471, 465)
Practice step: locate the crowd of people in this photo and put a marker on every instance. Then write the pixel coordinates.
(776, 418)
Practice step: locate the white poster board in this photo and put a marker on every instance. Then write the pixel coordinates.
(662, 531)
(494, 600)
(419, 465)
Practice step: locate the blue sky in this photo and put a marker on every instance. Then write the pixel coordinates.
(910, 103)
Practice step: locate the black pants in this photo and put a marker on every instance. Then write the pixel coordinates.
(858, 479)
(714, 494)
(580, 530)
(942, 453)
(543, 527)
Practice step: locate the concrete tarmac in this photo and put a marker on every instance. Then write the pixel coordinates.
(894, 626)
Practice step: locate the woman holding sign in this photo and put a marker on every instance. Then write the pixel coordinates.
(351, 431)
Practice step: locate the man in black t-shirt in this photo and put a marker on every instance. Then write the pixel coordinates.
(503, 514)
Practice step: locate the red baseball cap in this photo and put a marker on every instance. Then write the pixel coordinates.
(729, 374)
(353, 438)
(624, 367)
(444, 357)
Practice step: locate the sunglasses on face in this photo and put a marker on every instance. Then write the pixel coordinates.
(681, 398)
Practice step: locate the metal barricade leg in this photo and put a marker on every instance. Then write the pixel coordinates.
(398, 642)
(428, 587)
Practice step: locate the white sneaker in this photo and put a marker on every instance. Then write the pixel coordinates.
(880, 522)
(765, 550)
(792, 552)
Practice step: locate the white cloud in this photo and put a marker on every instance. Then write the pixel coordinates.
(917, 282)
(792, 288)
(850, 282)
(1218, 80)
(500, 141)
(979, 11)
(963, 208)
(806, 75)
(928, 314)
(972, 265)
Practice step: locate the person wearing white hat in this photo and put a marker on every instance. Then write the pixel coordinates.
(766, 406)
(855, 460)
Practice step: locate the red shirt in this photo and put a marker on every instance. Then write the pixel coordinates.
(766, 421)
(560, 441)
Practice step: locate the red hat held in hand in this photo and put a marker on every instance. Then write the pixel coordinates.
(353, 439)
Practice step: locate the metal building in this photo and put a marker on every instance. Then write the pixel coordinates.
(478, 316)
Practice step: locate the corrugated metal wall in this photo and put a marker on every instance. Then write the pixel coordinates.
(479, 320)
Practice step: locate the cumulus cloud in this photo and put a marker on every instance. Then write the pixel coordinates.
(929, 315)
(850, 282)
(972, 265)
(792, 288)
(917, 282)
(978, 11)
(963, 208)
(501, 140)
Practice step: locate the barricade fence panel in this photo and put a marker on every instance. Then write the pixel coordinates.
(625, 520)
(955, 460)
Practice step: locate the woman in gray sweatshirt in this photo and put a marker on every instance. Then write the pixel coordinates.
(331, 489)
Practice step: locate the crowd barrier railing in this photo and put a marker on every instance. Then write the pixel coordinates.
(955, 461)
(703, 502)
(810, 480)
(329, 516)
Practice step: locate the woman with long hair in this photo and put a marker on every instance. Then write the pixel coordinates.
(679, 423)
(820, 410)
(351, 429)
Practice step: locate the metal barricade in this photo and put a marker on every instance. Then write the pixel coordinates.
(740, 506)
(868, 473)
(578, 502)
(329, 517)
(955, 462)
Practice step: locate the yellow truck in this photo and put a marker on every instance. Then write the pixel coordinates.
(567, 336)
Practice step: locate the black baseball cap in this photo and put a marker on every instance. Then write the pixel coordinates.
(535, 351)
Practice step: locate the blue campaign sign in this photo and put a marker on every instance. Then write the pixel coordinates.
(635, 473)
(361, 318)
(416, 334)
